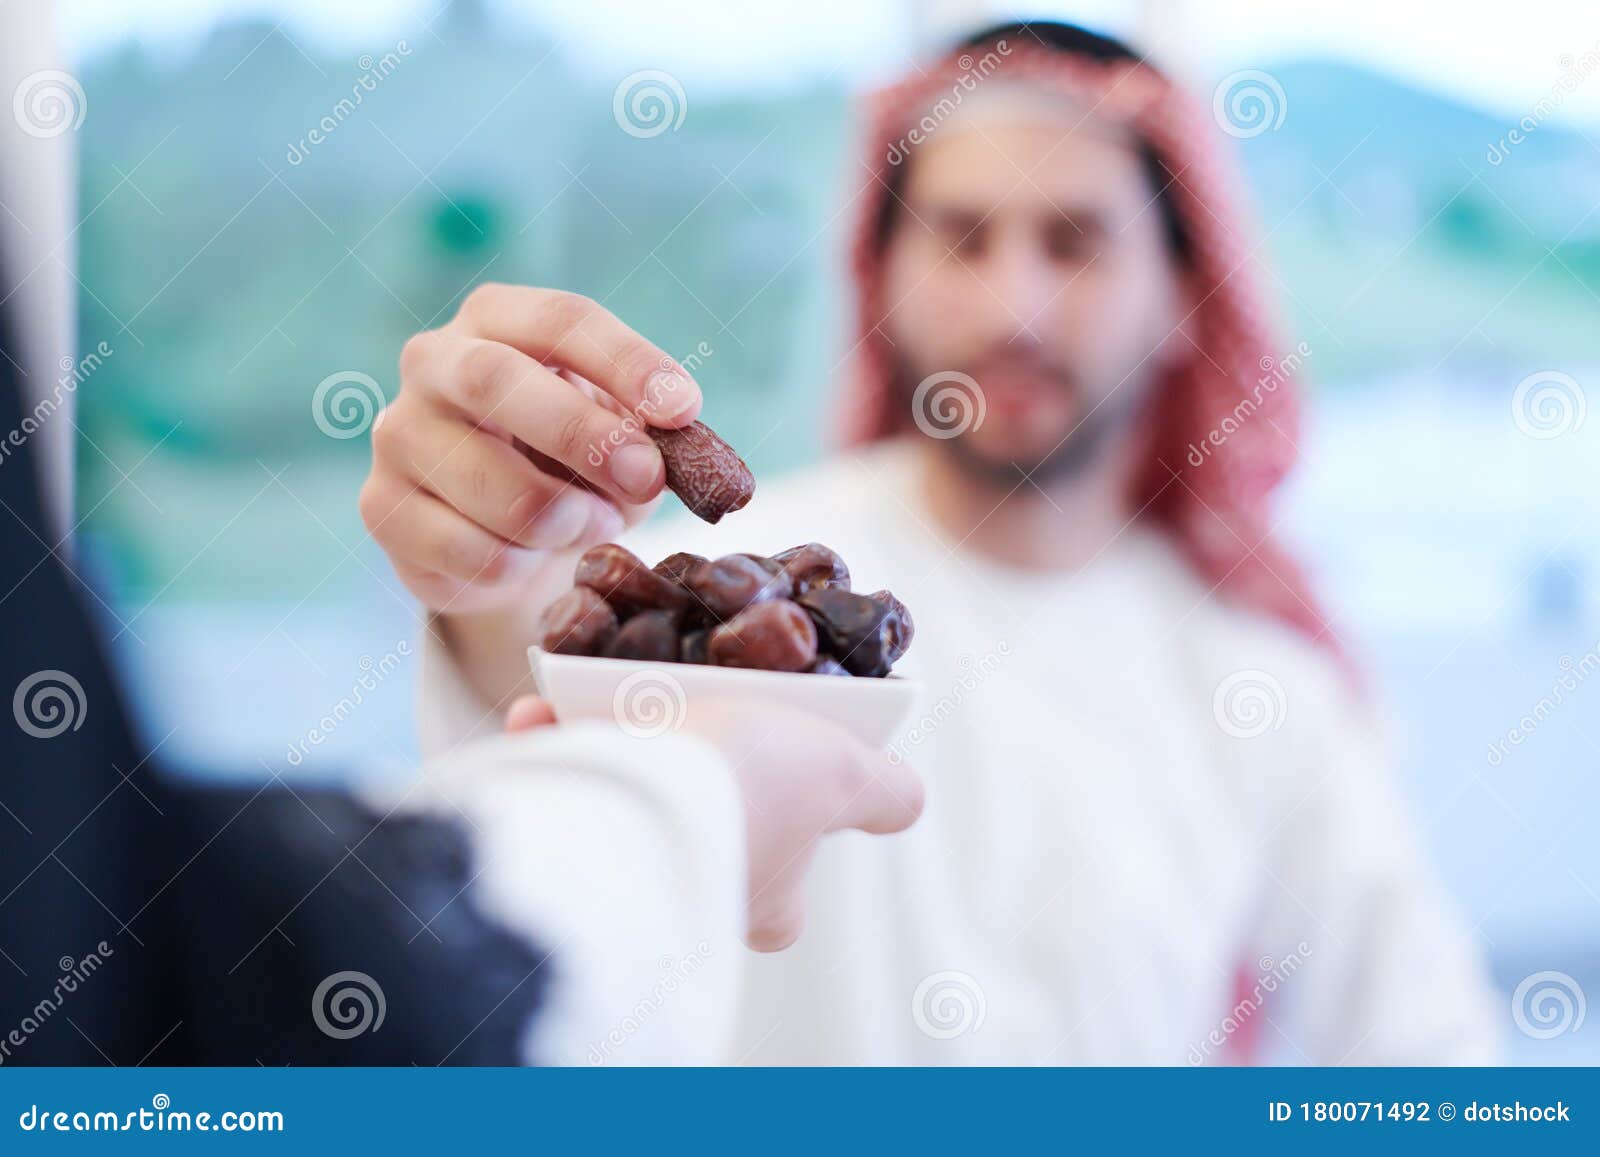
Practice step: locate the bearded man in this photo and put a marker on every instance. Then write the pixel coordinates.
(1159, 827)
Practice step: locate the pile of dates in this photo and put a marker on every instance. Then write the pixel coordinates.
(791, 612)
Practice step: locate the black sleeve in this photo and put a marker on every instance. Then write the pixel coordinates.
(195, 925)
(310, 930)
(146, 920)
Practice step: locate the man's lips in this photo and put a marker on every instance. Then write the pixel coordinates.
(1021, 392)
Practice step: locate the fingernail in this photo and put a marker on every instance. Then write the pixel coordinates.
(637, 469)
(672, 395)
(562, 522)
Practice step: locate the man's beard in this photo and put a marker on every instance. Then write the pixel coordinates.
(1072, 457)
(1079, 449)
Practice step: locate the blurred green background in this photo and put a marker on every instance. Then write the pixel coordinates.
(231, 281)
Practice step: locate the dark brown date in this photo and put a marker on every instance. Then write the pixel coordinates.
(813, 565)
(580, 622)
(704, 471)
(770, 636)
(649, 635)
(901, 629)
(828, 665)
(725, 586)
(774, 568)
(694, 647)
(626, 583)
(853, 629)
(675, 566)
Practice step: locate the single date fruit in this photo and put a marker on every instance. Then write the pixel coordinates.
(771, 636)
(774, 568)
(725, 586)
(901, 628)
(704, 471)
(580, 622)
(675, 566)
(813, 565)
(626, 583)
(853, 629)
(649, 635)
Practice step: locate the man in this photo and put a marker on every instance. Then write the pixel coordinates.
(1158, 826)
(464, 918)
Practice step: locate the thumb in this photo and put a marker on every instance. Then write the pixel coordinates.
(887, 795)
(529, 712)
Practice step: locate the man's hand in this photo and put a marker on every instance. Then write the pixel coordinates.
(519, 431)
(801, 777)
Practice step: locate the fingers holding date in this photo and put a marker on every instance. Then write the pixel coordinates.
(535, 422)
(791, 612)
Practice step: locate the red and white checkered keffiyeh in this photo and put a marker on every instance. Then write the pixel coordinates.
(1218, 511)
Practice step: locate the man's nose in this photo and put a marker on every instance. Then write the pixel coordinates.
(1020, 285)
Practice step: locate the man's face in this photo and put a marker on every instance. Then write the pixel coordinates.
(1030, 256)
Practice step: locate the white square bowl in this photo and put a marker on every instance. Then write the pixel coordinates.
(651, 698)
